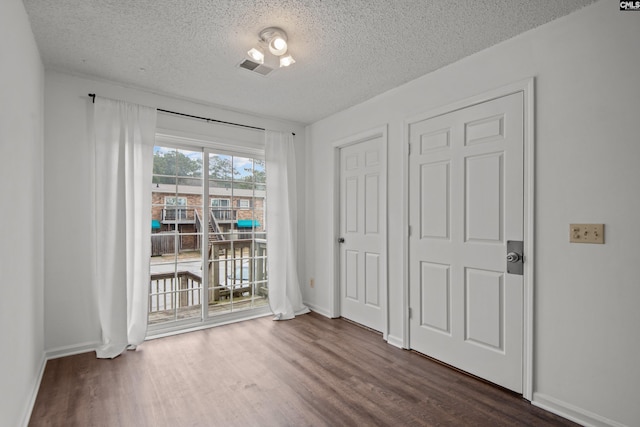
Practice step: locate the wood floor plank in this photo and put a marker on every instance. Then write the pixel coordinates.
(309, 371)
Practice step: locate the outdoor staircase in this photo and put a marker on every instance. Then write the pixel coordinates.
(214, 232)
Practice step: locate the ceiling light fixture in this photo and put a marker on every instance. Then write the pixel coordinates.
(278, 46)
(286, 60)
(275, 39)
(257, 54)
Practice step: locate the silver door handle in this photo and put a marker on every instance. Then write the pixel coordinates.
(513, 257)
(340, 239)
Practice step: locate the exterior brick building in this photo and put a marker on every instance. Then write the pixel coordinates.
(236, 212)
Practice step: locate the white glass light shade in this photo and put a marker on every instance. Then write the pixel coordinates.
(285, 61)
(278, 46)
(257, 55)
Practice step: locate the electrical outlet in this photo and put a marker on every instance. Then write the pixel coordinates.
(312, 283)
(586, 233)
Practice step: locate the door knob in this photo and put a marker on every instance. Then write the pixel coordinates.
(340, 239)
(513, 257)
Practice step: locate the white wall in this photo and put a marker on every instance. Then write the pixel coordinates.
(21, 215)
(587, 71)
(71, 321)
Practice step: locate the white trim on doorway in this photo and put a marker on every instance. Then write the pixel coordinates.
(525, 86)
(381, 132)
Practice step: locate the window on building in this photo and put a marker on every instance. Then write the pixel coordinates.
(175, 208)
(221, 209)
(220, 203)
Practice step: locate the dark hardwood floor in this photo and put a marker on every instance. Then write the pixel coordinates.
(310, 371)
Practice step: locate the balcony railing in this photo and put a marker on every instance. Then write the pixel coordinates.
(237, 280)
(182, 293)
(224, 214)
(178, 215)
(182, 215)
(168, 291)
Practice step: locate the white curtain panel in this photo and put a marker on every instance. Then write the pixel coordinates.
(285, 297)
(124, 136)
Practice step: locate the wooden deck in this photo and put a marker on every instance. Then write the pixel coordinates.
(218, 307)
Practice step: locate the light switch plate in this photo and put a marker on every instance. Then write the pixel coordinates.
(586, 233)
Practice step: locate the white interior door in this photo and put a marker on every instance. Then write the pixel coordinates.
(466, 201)
(362, 280)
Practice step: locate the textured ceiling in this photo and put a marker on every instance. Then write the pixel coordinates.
(347, 51)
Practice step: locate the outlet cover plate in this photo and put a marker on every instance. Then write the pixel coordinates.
(586, 233)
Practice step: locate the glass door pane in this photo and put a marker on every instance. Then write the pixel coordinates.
(175, 288)
(237, 275)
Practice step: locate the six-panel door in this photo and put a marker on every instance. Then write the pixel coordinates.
(466, 201)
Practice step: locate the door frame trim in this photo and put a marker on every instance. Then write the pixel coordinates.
(381, 131)
(527, 87)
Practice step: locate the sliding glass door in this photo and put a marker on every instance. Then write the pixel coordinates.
(209, 236)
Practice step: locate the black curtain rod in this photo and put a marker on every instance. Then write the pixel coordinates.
(93, 97)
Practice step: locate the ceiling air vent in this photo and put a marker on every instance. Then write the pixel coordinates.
(255, 67)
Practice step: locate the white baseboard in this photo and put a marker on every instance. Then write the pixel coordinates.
(571, 412)
(319, 310)
(35, 386)
(70, 350)
(395, 341)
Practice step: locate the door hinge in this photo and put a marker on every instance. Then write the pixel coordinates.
(410, 313)
(409, 231)
(409, 149)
